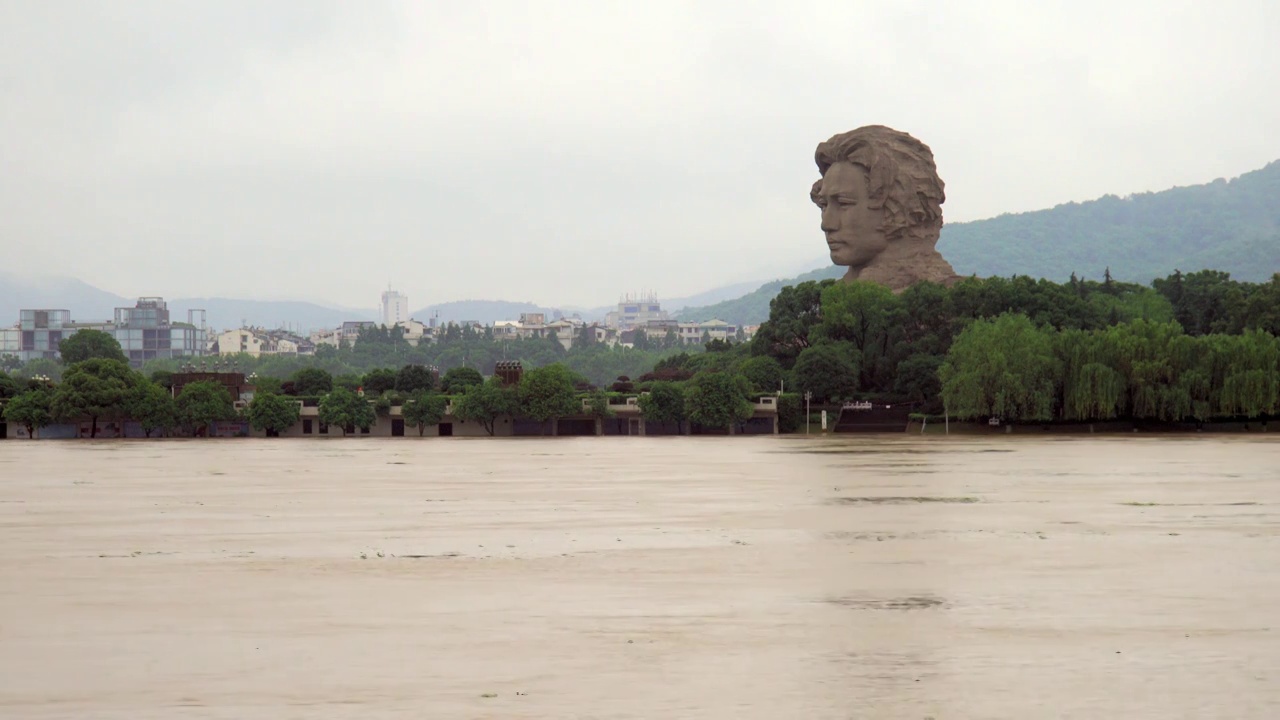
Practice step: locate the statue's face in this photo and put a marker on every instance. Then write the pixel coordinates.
(851, 225)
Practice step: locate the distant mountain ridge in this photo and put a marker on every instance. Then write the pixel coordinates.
(1230, 225)
(491, 311)
(88, 303)
(753, 308)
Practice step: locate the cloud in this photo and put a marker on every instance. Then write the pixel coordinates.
(565, 152)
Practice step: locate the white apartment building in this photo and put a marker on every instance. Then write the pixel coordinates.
(416, 332)
(635, 311)
(257, 341)
(332, 337)
(395, 308)
(245, 341)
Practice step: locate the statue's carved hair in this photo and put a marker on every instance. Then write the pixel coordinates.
(901, 175)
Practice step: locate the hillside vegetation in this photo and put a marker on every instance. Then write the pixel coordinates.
(753, 308)
(1232, 226)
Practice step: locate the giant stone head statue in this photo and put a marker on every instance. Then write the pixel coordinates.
(881, 201)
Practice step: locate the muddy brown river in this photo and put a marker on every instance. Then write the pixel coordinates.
(748, 577)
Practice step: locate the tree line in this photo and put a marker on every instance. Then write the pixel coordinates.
(102, 387)
(1189, 347)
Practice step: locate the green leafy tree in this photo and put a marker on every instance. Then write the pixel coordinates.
(272, 413)
(378, 381)
(1204, 302)
(487, 402)
(763, 372)
(267, 384)
(9, 362)
(88, 344)
(868, 317)
(790, 412)
(597, 405)
(1247, 377)
(1092, 387)
(917, 380)
(826, 371)
(163, 378)
(413, 378)
(458, 379)
(347, 381)
(96, 389)
(1003, 368)
(1161, 371)
(31, 409)
(927, 321)
(423, 408)
(41, 367)
(200, 404)
(151, 406)
(792, 315)
(547, 393)
(312, 381)
(1262, 309)
(664, 403)
(387, 400)
(718, 399)
(345, 409)
(8, 386)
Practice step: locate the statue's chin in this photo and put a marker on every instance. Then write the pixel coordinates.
(845, 260)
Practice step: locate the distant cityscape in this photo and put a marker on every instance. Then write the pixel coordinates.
(146, 331)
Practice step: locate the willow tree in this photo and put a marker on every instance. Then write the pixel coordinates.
(1246, 382)
(1002, 368)
(1162, 370)
(1092, 387)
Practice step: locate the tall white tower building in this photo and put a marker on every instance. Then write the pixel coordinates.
(395, 308)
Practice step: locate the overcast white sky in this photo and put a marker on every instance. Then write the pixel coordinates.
(565, 152)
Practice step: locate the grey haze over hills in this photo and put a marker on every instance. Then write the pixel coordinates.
(90, 304)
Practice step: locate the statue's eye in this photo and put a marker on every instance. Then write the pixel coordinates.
(845, 200)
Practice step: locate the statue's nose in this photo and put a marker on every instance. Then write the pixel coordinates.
(830, 220)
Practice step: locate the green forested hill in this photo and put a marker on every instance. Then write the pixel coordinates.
(753, 307)
(1232, 226)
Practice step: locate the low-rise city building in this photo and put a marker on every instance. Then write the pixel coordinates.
(257, 341)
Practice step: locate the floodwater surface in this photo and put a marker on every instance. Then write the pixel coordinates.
(745, 577)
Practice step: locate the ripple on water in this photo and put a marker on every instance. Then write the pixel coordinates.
(912, 602)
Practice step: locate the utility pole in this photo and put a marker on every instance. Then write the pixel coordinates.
(808, 395)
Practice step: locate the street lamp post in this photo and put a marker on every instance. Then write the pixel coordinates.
(808, 395)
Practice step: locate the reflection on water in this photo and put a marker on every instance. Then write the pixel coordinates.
(642, 578)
